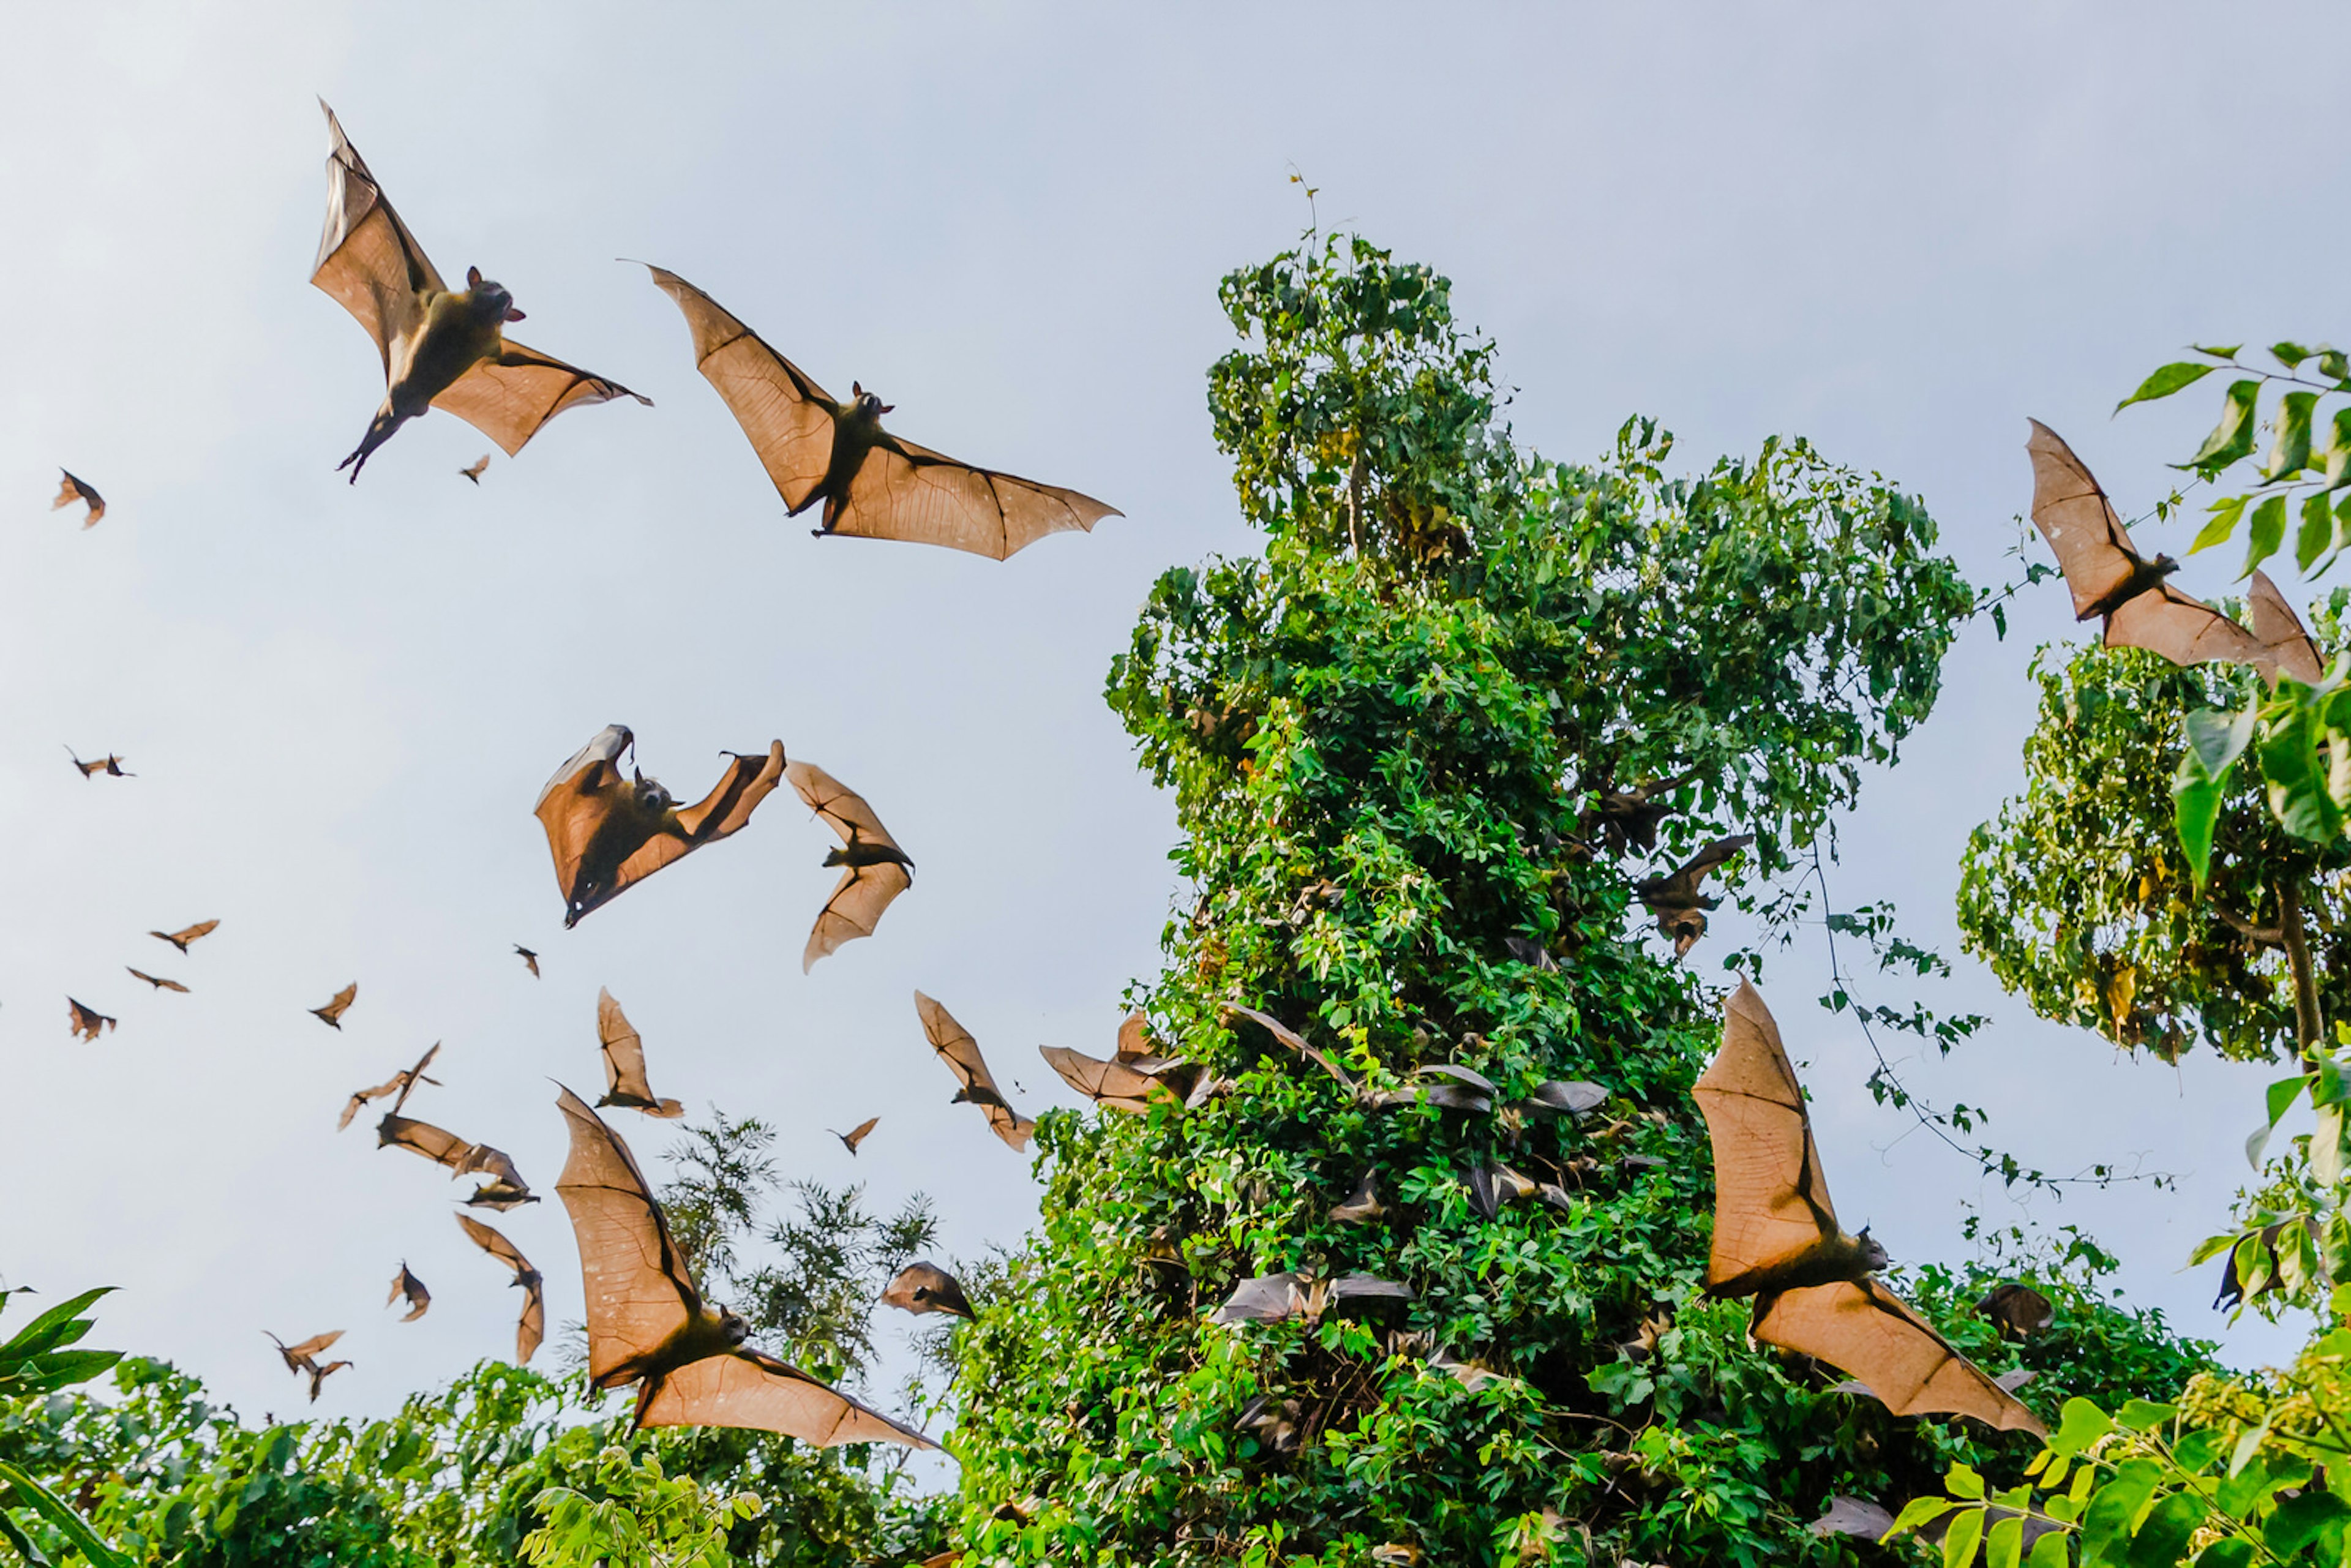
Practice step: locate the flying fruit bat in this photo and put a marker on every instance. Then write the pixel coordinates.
(319, 1375)
(506, 1187)
(532, 1329)
(186, 935)
(501, 1195)
(876, 869)
(87, 1023)
(479, 467)
(608, 834)
(856, 1135)
(530, 959)
(73, 490)
(401, 1083)
(961, 1053)
(926, 1288)
(300, 1358)
(1112, 1085)
(109, 764)
(441, 347)
(2017, 1310)
(407, 1284)
(649, 1326)
(331, 1015)
(1626, 819)
(873, 484)
(624, 1063)
(161, 985)
(1675, 898)
(1776, 1238)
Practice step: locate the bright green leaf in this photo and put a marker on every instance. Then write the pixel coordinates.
(2289, 453)
(2265, 534)
(2232, 438)
(2165, 380)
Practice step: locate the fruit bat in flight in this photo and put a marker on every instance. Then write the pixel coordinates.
(926, 1288)
(624, 1063)
(442, 348)
(331, 1015)
(479, 467)
(2110, 577)
(1674, 899)
(87, 1023)
(186, 935)
(648, 1324)
(1134, 1076)
(160, 984)
(407, 1284)
(304, 1358)
(1776, 1238)
(961, 1053)
(873, 484)
(401, 1083)
(109, 764)
(72, 490)
(856, 1135)
(444, 1148)
(876, 871)
(532, 1329)
(608, 834)
(530, 959)
(319, 1375)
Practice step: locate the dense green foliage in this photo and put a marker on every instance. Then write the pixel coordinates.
(1384, 737)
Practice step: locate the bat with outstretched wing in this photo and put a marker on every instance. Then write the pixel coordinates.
(648, 1324)
(505, 1189)
(401, 1083)
(88, 1022)
(532, 1328)
(1676, 898)
(926, 1288)
(2286, 647)
(961, 1053)
(408, 1285)
(331, 1015)
(110, 765)
(71, 490)
(856, 1135)
(873, 484)
(442, 348)
(476, 468)
(319, 1375)
(300, 1358)
(624, 1063)
(530, 959)
(875, 871)
(608, 834)
(1113, 1083)
(1776, 1238)
(186, 933)
(156, 981)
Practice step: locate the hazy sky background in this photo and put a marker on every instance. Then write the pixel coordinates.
(1895, 233)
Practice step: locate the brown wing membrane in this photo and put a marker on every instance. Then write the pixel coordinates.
(331, 1015)
(902, 491)
(2092, 547)
(856, 1135)
(509, 398)
(1771, 1202)
(367, 261)
(788, 418)
(407, 1284)
(624, 1063)
(865, 890)
(2286, 647)
(531, 1332)
(961, 1053)
(747, 1388)
(181, 937)
(855, 908)
(438, 1145)
(1108, 1084)
(1864, 1330)
(749, 779)
(70, 489)
(2182, 629)
(638, 1293)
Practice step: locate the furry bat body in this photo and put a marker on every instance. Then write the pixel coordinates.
(608, 834)
(87, 1023)
(1676, 898)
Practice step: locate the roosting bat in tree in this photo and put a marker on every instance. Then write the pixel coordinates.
(926, 1288)
(72, 490)
(648, 1324)
(181, 937)
(1624, 820)
(441, 347)
(533, 1326)
(109, 764)
(877, 869)
(856, 1135)
(872, 484)
(401, 1083)
(479, 467)
(407, 1284)
(331, 1015)
(1675, 898)
(624, 1063)
(161, 985)
(88, 1022)
(530, 959)
(2017, 1310)
(961, 1053)
(1776, 1238)
(608, 834)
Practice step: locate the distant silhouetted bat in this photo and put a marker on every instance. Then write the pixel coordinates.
(319, 1375)
(401, 1083)
(500, 1194)
(856, 1135)
(73, 490)
(302, 1357)
(109, 764)
(926, 1288)
(181, 938)
(624, 1063)
(1625, 820)
(648, 1324)
(873, 484)
(1674, 899)
(2016, 1310)
(161, 985)
(876, 869)
(532, 1329)
(331, 1015)
(441, 347)
(1776, 1238)
(961, 1053)
(88, 1022)
(607, 834)
(530, 959)
(479, 467)
(407, 1284)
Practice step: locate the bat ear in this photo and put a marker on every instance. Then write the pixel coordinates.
(513, 315)
(888, 407)
(857, 389)
(473, 277)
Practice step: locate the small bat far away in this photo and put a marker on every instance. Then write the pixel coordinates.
(109, 764)
(856, 1135)
(479, 467)
(331, 1015)
(530, 959)
(71, 490)
(648, 1324)
(961, 1053)
(532, 1328)
(87, 1023)
(402, 1083)
(303, 1359)
(186, 933)
(407, 1284)
(924, 1287)
(1674, 897)
(2110, 577)
(876, 871)
(624, 1063)
(873, 484)
(608, 834)
(160, 984)
(1776, 1238)
(505, 1189)
(442, 348)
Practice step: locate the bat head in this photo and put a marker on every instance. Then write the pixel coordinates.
(650, 795)
(733, 1325)
(868, 404)
(491, 300)
(1873, 1255)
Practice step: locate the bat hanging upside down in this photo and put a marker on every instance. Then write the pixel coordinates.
(607, 834)
(442, 348)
